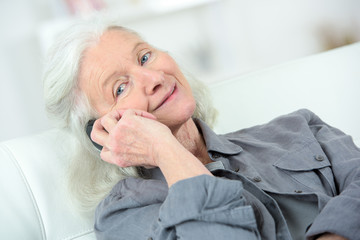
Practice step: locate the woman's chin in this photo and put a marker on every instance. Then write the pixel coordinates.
(177, 114)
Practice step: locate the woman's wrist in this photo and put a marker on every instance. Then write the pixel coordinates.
(177, 163)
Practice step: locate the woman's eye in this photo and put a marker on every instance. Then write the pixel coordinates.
(120, 89)
(144, 58)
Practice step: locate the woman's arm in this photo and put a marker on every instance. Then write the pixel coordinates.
(203, 207)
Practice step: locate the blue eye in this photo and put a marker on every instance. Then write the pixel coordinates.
(120, 89)
(144, 58)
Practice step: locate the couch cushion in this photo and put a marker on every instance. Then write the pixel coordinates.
(326, 83)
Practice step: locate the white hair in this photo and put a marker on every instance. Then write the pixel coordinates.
(90, 178)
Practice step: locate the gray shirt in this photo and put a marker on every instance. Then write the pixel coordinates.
(296, 157)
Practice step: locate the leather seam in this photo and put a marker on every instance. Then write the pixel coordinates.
(80, 234)
(27, 185)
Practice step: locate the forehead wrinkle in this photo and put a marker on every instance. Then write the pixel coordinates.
(93, 86)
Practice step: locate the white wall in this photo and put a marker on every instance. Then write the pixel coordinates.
(216, 41)
(21, 102)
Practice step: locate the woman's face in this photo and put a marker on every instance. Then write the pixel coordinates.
(124, 72)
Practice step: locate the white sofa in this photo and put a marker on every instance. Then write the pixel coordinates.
(35, 205)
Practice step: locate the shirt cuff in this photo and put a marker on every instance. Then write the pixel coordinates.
(338, 217)
(206, 198)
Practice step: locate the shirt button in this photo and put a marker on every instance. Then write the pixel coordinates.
(319, 158)
(215, 155)
(257, 179)
(237, 169)
(298, 191)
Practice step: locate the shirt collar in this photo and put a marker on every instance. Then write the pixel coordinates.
(214, 143)
(217, 143)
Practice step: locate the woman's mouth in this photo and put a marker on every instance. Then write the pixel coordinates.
(167, 97)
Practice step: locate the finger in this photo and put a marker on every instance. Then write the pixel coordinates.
(136, 112)
(98, 133)
(108, 156)
(109, 121)
(117, 113)
(145, 114)
(105, 155)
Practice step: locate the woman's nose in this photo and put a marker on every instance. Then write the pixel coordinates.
(150, 80)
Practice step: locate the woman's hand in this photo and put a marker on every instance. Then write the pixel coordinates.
(135, 138)
(130, 137)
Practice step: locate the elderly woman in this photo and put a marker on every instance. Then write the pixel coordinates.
(162, 173)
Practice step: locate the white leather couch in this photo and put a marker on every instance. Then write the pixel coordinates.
(34, 203)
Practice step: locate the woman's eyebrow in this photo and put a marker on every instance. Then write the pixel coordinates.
(137, 45)
(107, 80)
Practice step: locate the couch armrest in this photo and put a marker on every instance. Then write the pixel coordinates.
(34, 201)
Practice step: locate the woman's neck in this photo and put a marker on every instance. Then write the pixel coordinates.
(191, 138)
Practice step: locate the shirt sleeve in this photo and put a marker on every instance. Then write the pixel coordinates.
(202, 207)
(341, 214)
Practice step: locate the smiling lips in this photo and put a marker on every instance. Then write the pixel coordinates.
(166, 97)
